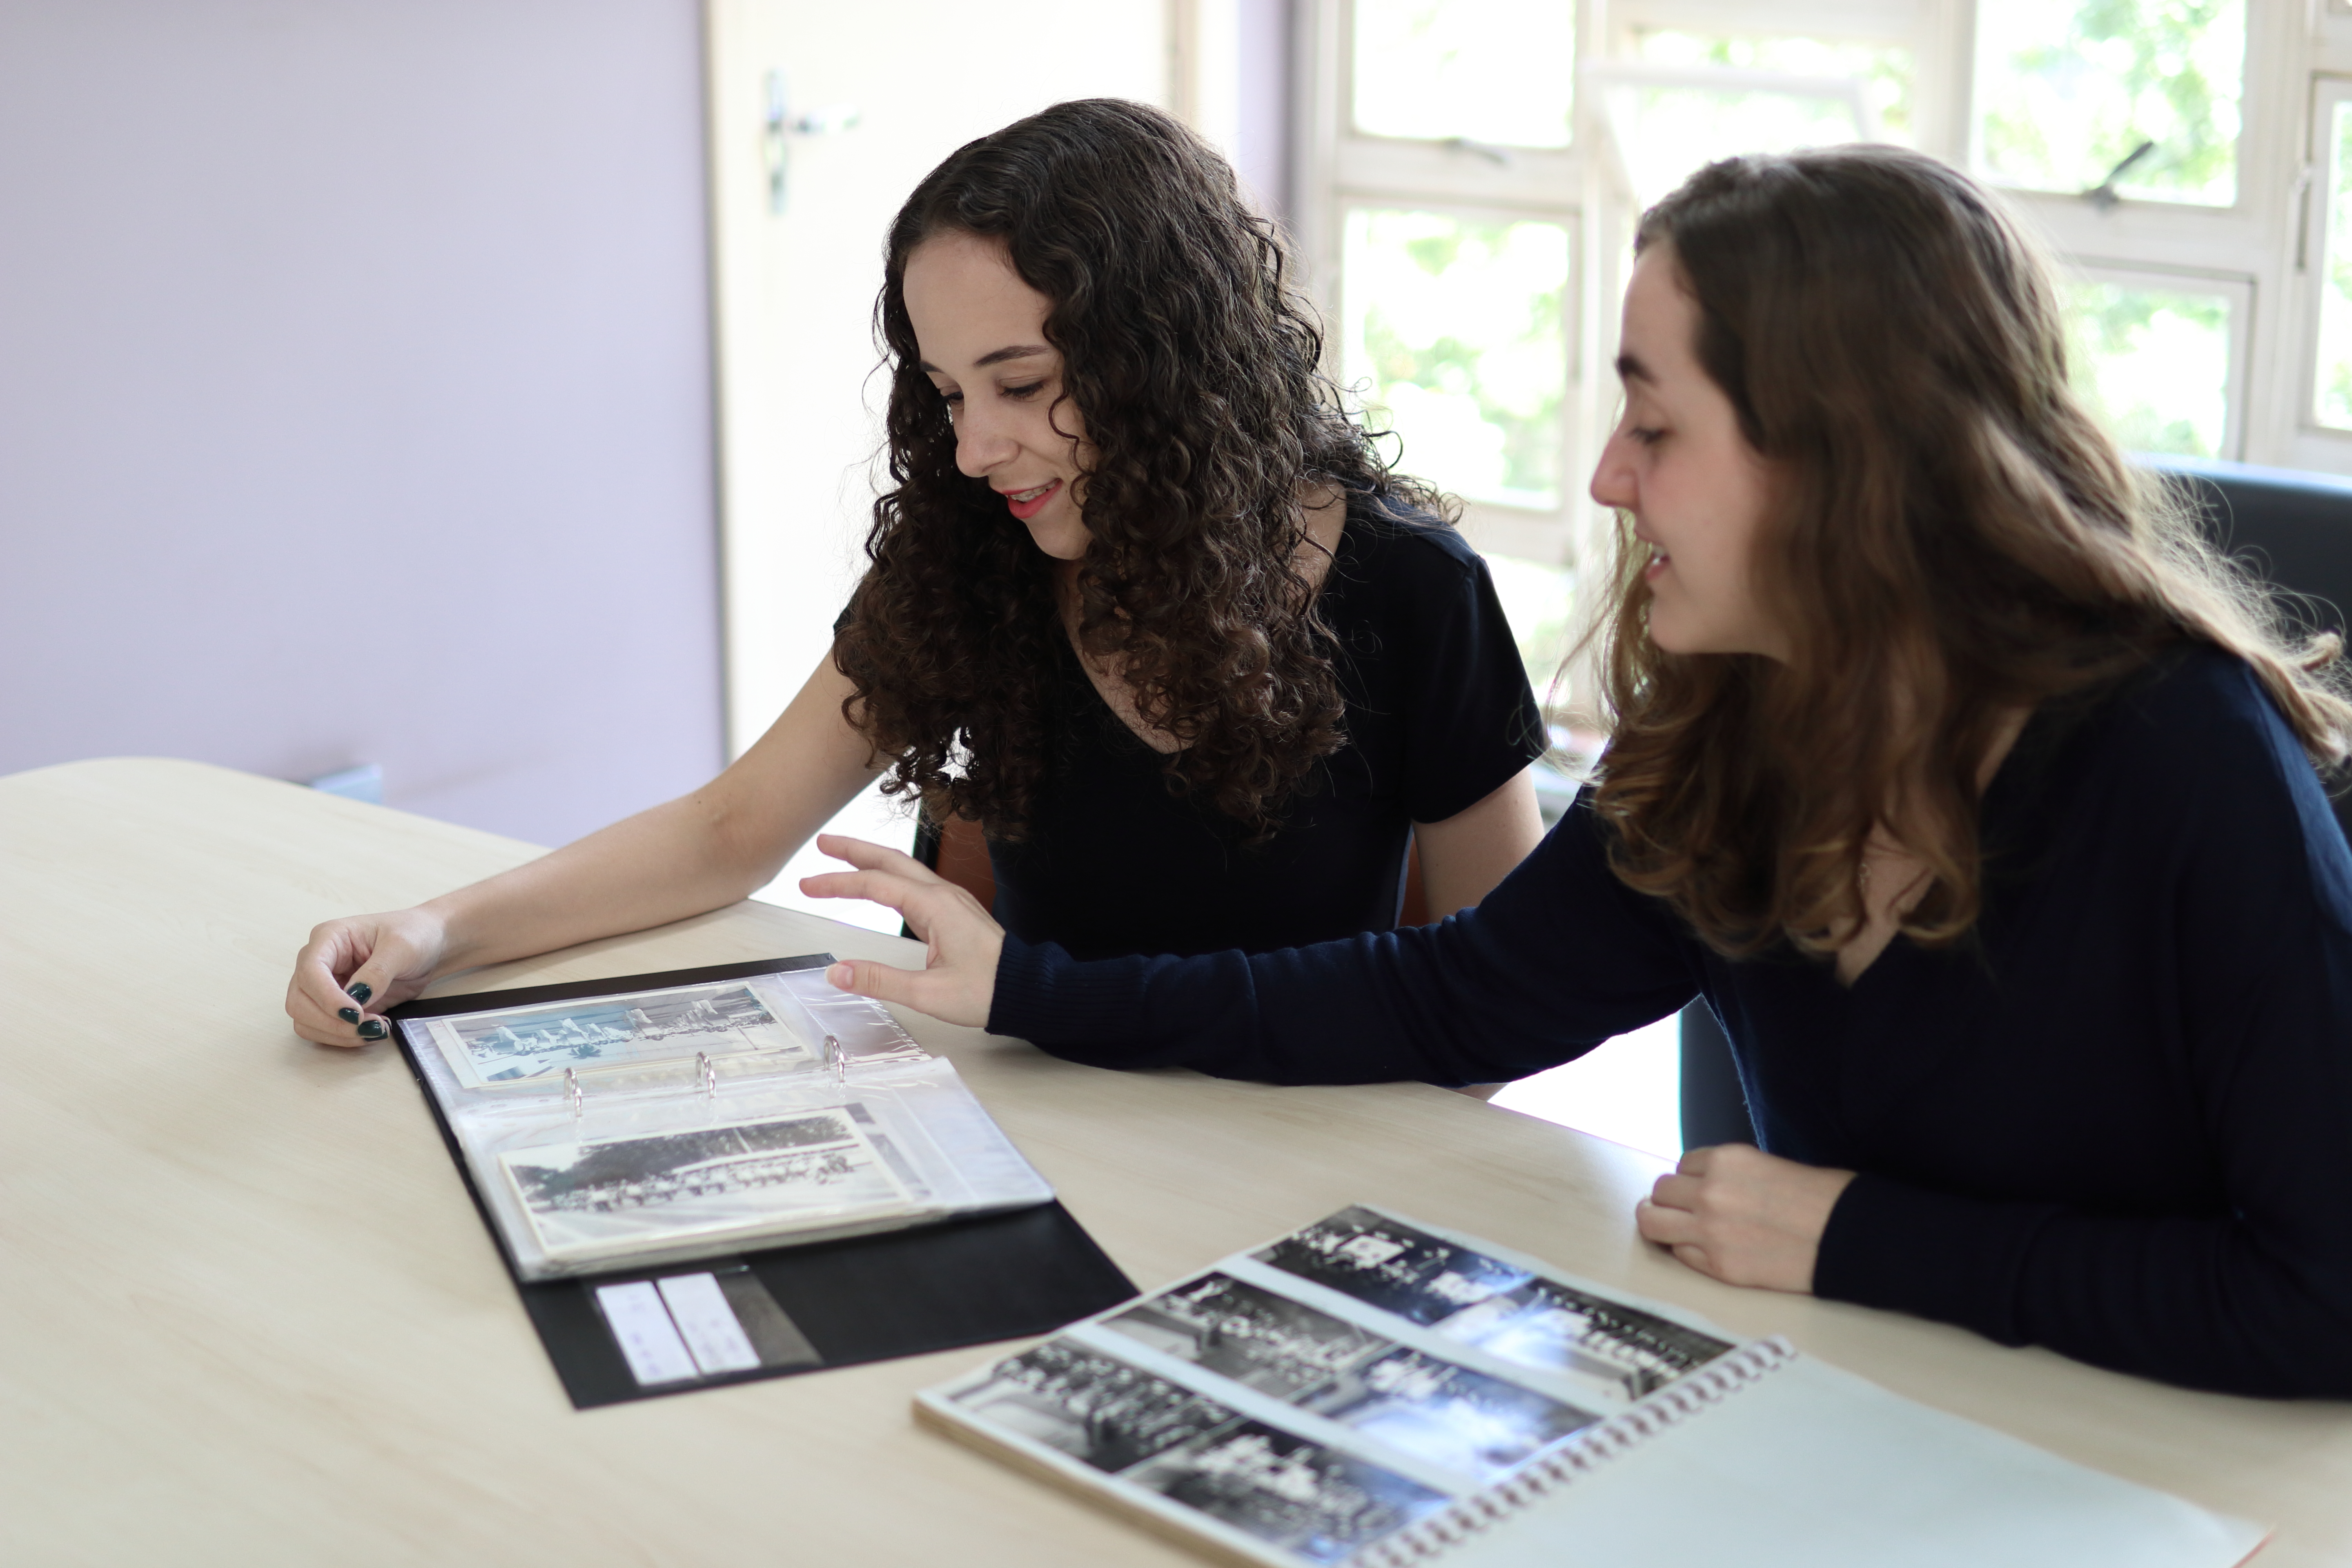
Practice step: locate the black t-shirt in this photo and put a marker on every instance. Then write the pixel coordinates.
(1439, 716)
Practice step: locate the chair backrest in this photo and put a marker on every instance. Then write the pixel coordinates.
(2293, 528)
(958, 851)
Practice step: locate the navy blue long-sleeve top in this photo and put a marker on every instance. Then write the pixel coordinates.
(2115, 1120)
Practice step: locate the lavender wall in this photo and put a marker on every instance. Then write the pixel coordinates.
(354, 396)
(1263, 30)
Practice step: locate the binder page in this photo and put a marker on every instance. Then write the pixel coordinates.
(689, 1121)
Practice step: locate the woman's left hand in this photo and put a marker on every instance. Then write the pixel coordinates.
(1743, 1216)
(958, 982)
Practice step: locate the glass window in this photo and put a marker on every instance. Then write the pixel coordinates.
(2154, 362)
(2069, 88)
(2333, 405)
(1500, 71)
(1885, 71)
(1455, 336)
(1666, 124)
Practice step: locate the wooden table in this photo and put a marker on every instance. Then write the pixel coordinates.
(247, 1314)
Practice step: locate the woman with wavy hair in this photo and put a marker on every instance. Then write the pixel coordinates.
(1972, 791)
(1142, 603)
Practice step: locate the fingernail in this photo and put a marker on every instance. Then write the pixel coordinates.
(375, 1029)
(348, 1015)
(359, 991)
(838, 977)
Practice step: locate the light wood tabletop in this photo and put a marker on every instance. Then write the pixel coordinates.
(249, 1315)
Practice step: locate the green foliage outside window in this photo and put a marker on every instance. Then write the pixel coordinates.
(2070, 90)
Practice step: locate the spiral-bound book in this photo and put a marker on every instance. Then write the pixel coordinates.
(1374, 1392)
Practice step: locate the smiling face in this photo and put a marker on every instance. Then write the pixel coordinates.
(981, 333)
(1680, 466)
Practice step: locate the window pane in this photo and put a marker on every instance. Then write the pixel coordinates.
(2334, 405)
(2068, 89)
(1663, 133)
(1491, 71)
(1886, 72)
(2154, 364)
(1456, 339)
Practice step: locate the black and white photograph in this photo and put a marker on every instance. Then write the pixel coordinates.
(1316, 1502)
(1446, 1415)
(1258, 1339)
(1092, 1406)
(582, 1198)
(1620, 1352)
(517, 1045)
(1391, 1266)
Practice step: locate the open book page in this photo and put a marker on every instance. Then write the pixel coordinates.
(687, 1121)
(1374, 1391)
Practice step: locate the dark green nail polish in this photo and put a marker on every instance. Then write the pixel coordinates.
(359, 991)
(348, 1015)
(373, 1029)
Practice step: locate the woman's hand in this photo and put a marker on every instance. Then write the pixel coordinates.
(958, 982)
(1743, 1216)
(351, 970)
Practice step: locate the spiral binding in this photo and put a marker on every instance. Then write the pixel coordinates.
(1671, 1405)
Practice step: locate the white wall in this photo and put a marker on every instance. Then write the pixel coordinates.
(354, 396)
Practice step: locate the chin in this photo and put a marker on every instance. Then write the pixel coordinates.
(1063, 538)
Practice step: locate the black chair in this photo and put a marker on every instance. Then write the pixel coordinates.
(2293, 528)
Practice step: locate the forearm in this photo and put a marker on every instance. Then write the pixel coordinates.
(676, 859)
(724, 842)
(1557, 958)
(2201, 1301)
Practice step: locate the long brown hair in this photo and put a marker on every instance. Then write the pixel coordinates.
(1195, 368)
(1952, 538)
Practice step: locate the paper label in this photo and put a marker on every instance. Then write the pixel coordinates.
(700, 1310)
(642, 1328)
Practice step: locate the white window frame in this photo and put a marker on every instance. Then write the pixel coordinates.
(2310, 258)
(2294, 56)
(1340, 169)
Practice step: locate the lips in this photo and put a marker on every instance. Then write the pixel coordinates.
(1026, 504)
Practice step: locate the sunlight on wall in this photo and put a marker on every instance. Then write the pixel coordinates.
(1628, 1090)
(869, 817)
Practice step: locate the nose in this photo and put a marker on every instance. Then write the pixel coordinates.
(982, 446)
(1612, 478)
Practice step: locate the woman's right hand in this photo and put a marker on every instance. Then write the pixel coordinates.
(353, 969)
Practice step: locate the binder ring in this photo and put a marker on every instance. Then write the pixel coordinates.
(837, 1059)
(705, 1072)
(571, 1091)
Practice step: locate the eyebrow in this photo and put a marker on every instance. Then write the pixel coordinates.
(1630, 368)
(1022, 350)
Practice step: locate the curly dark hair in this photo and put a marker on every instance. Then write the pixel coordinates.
(1196, 371)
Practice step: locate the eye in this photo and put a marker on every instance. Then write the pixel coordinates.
(1028, 389)
(1647, 434)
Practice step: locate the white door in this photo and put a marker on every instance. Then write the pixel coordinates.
(800, 201)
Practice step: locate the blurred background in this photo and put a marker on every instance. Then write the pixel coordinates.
(470, 406)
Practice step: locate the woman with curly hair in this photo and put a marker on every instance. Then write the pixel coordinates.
(1970, 790)
(1142, 603)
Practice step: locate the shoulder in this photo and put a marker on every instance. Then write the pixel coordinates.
(1388, 541)
(2197, 709)
(2193, 745)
